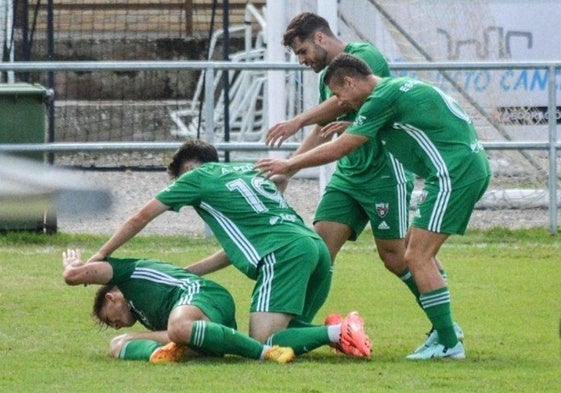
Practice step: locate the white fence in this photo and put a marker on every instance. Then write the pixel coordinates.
(550, 146)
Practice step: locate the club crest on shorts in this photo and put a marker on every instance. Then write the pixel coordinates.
(382, 209)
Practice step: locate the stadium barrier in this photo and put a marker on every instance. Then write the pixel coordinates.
(551, 146)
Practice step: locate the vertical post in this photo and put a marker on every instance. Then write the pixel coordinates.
(188, 7)
(51, 78)
(328, 10)
(552, 123)
(25, 36)
(209, 104)
(226, 74)
(276, 86)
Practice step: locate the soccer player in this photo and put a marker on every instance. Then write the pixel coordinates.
(178, 307)
(187, 315)
(368, 184)
(432, 136)
(263, 237)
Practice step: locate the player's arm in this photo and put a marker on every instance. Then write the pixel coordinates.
(326, 153)
(325, 112)
(218, 260)
(130, 228)
(76, 272)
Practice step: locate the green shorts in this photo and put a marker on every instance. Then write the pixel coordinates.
(387, 209)
(214, 301)
(448, 211)
(294, 279)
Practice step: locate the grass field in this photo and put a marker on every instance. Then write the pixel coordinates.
(506, 291)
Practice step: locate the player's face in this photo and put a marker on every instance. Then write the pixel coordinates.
(116, 311)
(346, 94)
(310, 53)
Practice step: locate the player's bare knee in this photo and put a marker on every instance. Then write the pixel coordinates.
(116, 345)
(180, 331)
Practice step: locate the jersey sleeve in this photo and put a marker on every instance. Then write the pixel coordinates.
(122, 269)
(373, 116)
(185, 191)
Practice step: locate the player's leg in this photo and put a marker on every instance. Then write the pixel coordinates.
(127, 347)
(293, 298)
(438, 215)
(188, 325)
(280, 290)
(334, 234)
(434, 294)
(142, 345)
(338, 218)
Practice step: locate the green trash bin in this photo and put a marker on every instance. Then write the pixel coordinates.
(23, 110)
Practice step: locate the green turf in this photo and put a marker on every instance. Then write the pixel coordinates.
(506, 292)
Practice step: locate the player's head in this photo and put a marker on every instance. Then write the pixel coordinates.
(343, 76)
(345, 65)
(306, 35)
(194, 150)
(111, 308)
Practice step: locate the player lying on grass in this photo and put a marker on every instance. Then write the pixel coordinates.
(263, 237)
(187, 315)
(172, 303)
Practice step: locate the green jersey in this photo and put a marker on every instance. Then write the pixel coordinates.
(369, 164)
(248, 215)
(153, 288)
(425, 129)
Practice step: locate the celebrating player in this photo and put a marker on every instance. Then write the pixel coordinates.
(263, 237)
(368, 184)
(178, 307)
(433, 137)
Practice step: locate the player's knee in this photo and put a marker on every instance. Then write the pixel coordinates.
(393, 259)
(179, 331)
(116, 345)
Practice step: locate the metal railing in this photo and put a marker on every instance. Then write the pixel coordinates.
(552, 146)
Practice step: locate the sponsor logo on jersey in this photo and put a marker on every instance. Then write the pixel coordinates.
(283, 217)
(359, 120)
(382, 209)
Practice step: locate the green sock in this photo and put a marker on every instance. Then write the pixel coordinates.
(215, 339)
(437, 307)
(138, 349)
(408, 279)
(301, 340)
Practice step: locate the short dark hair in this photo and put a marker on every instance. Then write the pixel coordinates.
(99, 302)
(191, 150)
(345, 65)
(303, 26)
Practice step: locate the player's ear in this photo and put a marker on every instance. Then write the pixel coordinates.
(318, 37)
(110, 297)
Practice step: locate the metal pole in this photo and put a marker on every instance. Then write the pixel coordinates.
(226, 74)
(209, 105)
(25, 37)
(552, 123)
(51, 78)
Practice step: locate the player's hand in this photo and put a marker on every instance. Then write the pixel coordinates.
(272, 166)
(280, 132)
(71, 257)
(281, 181)
(335, 127)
